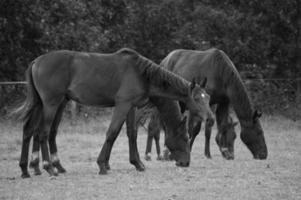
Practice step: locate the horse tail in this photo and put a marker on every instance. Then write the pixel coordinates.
(31, 107)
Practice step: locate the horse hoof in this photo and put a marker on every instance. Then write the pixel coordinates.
(37, 171)
(140, 167)
(147, 157)
(102, 169)
(59, 167)
(25, 175)
(160, 157)
(208, 156)
(108, 166)
(166, 155)
(34, 163)
(49, 168)
(52, 173)
(227, 155)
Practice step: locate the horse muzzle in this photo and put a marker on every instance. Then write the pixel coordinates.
(182, 164)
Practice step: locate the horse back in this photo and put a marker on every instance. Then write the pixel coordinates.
(89, 78)
(196, 64)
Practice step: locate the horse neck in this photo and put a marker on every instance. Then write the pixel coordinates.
(159, 79)
(240, 101)
(235, 89)
(169, 111)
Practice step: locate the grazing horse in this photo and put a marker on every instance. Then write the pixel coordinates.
(225, 87)
(124, 79)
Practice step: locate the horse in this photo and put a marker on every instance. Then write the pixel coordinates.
(123, 79)
(153, 133)
(225, 87)
(224, 138)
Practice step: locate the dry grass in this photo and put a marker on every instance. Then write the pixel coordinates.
(278, 177)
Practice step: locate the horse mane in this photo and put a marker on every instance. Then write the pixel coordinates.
(161, 77)
(238, 94)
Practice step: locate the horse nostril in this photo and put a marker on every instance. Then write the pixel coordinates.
(182, 164)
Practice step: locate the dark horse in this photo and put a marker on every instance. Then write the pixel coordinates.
(225, 87)
(123, 79)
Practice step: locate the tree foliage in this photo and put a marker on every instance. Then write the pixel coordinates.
(258, 35)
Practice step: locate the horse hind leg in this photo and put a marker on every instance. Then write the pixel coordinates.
(34, 162)
(52, 139)
(28, 131)
(27, 134)
(49, 111)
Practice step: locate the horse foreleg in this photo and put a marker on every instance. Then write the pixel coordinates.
(193, 130)
(149, 143)
(152, 130)
(208, 129)
(157, 140)
(132, 136)
(118, 118)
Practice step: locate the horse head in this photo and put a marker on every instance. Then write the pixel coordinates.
(178, 144)
(201, 100)
(225, 138)
(253, 137)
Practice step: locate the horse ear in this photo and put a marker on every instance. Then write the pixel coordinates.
(203, 84)
(193, 84)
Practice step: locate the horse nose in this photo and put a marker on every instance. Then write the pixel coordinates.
(261, 156)
(182, 164)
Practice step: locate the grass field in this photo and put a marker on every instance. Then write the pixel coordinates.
(278, 177)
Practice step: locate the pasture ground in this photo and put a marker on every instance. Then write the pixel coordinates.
(278, 177)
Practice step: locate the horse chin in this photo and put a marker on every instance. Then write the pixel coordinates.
(181, 161)
(261, 156)
(259, 152)
(182, 164)
(228, 155)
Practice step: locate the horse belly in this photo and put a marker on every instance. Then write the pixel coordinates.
(91, 94)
